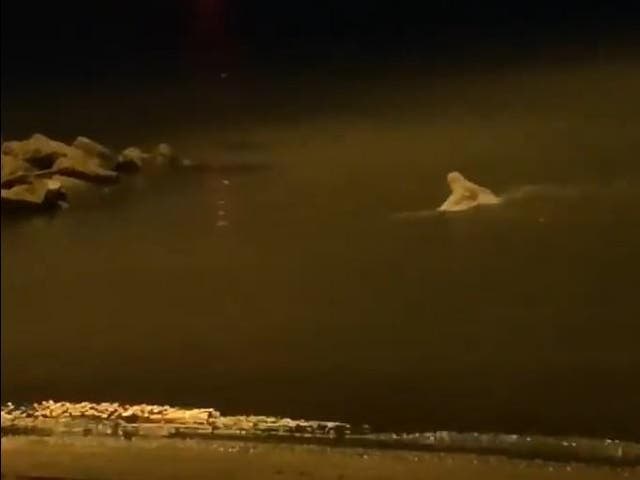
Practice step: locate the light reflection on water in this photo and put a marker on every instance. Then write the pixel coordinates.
(312, 302)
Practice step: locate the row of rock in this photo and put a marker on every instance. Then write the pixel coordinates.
(36, 171)
(109, 411)
(50, 412)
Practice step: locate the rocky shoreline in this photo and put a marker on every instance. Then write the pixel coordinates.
(128, 421)
(114, 420)
(38, 173)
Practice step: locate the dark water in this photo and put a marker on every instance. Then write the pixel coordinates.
(312, 301)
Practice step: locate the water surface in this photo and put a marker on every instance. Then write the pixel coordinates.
(293, 291)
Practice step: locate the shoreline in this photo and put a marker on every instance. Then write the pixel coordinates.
(124, 423)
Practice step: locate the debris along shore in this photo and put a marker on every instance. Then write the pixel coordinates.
(38, 172)
(64, 419)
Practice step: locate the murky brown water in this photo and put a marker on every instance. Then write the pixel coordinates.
(312, 301)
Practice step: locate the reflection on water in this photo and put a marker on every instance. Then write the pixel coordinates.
(311, 301)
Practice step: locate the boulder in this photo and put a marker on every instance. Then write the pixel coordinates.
(165, 155)
(131, 160)
(84, 167)
(14, 171)
(74, 187)
(94, 149)
(39, 151)
(40, 193)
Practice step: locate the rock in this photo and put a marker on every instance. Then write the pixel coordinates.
(131, 160)
(76, 189)
(14, 171)
(7, 418)
(162, 156)
(40, 193)
(39, 151)
(69, 184)
(84, 167)
(94, 149)
(165, 155)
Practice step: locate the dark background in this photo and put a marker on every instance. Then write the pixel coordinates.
(87, 38)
